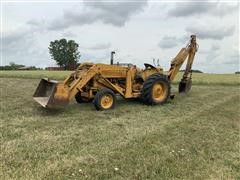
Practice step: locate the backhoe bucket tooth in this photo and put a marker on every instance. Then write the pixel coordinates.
(185, 86)
(50, 93)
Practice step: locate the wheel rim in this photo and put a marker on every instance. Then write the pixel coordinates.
(106, 101)
(159, 91)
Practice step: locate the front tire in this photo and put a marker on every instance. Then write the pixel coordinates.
(156, 90)
(104, 99)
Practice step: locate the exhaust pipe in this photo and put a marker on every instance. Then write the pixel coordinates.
(111, 60)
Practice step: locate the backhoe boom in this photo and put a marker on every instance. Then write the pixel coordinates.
(185, 53)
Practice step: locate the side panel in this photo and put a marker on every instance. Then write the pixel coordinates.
(112, 71)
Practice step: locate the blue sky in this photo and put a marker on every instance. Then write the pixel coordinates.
(137, 30)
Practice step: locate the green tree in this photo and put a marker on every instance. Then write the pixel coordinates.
(64, 52)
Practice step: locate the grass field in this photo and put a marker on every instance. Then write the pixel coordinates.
(199, 78)
(194, 136)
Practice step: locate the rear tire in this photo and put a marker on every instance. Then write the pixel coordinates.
(156, 90)
(104, 99)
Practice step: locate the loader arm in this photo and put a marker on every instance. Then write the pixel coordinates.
(81, 82)
(56, 94)
(88, 78)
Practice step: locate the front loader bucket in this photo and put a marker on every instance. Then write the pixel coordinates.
(50, 93)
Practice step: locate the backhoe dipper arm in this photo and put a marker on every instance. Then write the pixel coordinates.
(176, 63)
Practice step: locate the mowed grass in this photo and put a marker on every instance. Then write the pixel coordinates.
(198, 78)
(37, 74)
(194, 136)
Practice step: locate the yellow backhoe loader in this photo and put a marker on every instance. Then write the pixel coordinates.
(100, 83)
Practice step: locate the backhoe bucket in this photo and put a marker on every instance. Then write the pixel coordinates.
(50, 93)
(184, 86)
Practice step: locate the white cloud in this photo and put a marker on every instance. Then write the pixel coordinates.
(210, 32)
(135, 32)
(116, 13)
(168, 42)
(101, 46)
(185, 9)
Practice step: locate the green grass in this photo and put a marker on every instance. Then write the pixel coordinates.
(59, 75)
(198, 78)
(194, 136)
